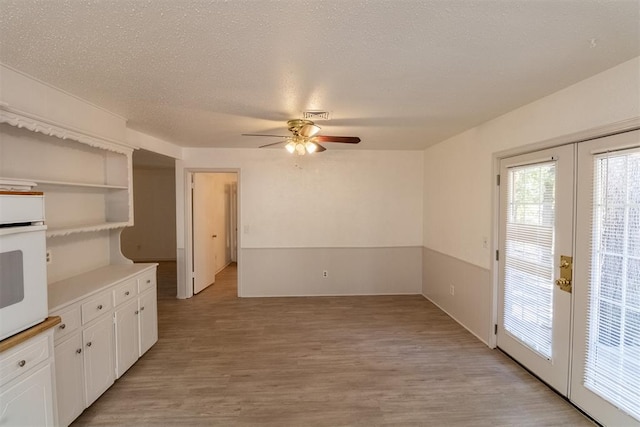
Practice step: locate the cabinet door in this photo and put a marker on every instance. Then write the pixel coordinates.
(148, 320)
(69, 379)
(126, 336)
(27, 401)
(98, 358)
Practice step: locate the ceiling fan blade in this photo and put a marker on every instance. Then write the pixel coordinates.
(320, 148)
(273, 143)
(262, 134)
(342, 139)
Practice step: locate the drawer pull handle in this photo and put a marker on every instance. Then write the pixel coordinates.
(126, 293)
(79, 351)
(100, 307)
(63, 326)
(22, 363)
(141, 308)
(148, 280)
(89, 344)
(136, 312)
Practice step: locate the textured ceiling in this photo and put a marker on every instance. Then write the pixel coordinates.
(399, 74)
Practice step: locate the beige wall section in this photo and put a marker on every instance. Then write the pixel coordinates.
(467, 305)
(459, 177)
(153, 237)
(351, 271)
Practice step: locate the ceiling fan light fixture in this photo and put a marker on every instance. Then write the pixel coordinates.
(291, 147)
(311, 147)
(309, 130)
(300, 149)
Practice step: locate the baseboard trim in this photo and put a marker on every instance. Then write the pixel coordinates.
(331, 295)
(153, 259)
(457, 321)
(223, 267)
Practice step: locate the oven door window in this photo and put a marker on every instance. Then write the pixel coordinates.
(11, 278)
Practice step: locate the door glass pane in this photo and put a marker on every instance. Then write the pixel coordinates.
(612, 368)
(528, 270)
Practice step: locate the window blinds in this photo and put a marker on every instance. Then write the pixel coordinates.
(612, 368)
(528, 269)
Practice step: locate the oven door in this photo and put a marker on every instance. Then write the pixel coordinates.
(23, 278)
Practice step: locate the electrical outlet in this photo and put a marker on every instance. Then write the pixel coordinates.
(49, 257)
(325, 274)
(452, 290)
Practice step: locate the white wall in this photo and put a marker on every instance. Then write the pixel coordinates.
(152, 237)
(459, 176)
(151, 143)
(336, 199)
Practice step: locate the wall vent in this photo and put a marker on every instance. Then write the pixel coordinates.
(315, 115)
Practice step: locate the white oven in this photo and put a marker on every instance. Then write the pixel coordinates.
(23, 269)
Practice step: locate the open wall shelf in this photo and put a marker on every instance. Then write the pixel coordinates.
(49, 183)
(87, 184)
(84, 228)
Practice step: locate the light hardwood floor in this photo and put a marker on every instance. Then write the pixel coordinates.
(339, 361)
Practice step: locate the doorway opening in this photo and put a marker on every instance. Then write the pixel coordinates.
(153, 235)
(213, 230)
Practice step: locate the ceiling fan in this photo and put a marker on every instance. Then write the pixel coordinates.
(305, 138)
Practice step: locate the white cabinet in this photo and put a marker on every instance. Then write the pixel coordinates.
(69, 379)
(25, 403)
(98, 358)
(136, 320)
(109, 316)
(127, 336)
(27, 382)
(148, 320)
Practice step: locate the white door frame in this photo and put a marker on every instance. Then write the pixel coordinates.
(188, 226)
(593, 133)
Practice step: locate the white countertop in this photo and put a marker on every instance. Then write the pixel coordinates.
(70, 290)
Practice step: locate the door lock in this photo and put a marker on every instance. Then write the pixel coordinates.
(566, 273)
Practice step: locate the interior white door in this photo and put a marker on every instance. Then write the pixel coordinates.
(536, 228)
(605, 379)
(204, 233)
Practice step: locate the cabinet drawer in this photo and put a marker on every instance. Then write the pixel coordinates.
(70, 322)
(147, 281)
(96, 307)
(125, 292)
(21, 359)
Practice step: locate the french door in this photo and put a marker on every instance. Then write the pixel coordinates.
(569, 280)
(605, 379)
(536, 227)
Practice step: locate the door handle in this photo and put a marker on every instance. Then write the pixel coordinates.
(215, 235)
(566, 274)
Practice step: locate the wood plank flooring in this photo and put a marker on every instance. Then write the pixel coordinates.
(335, 361)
